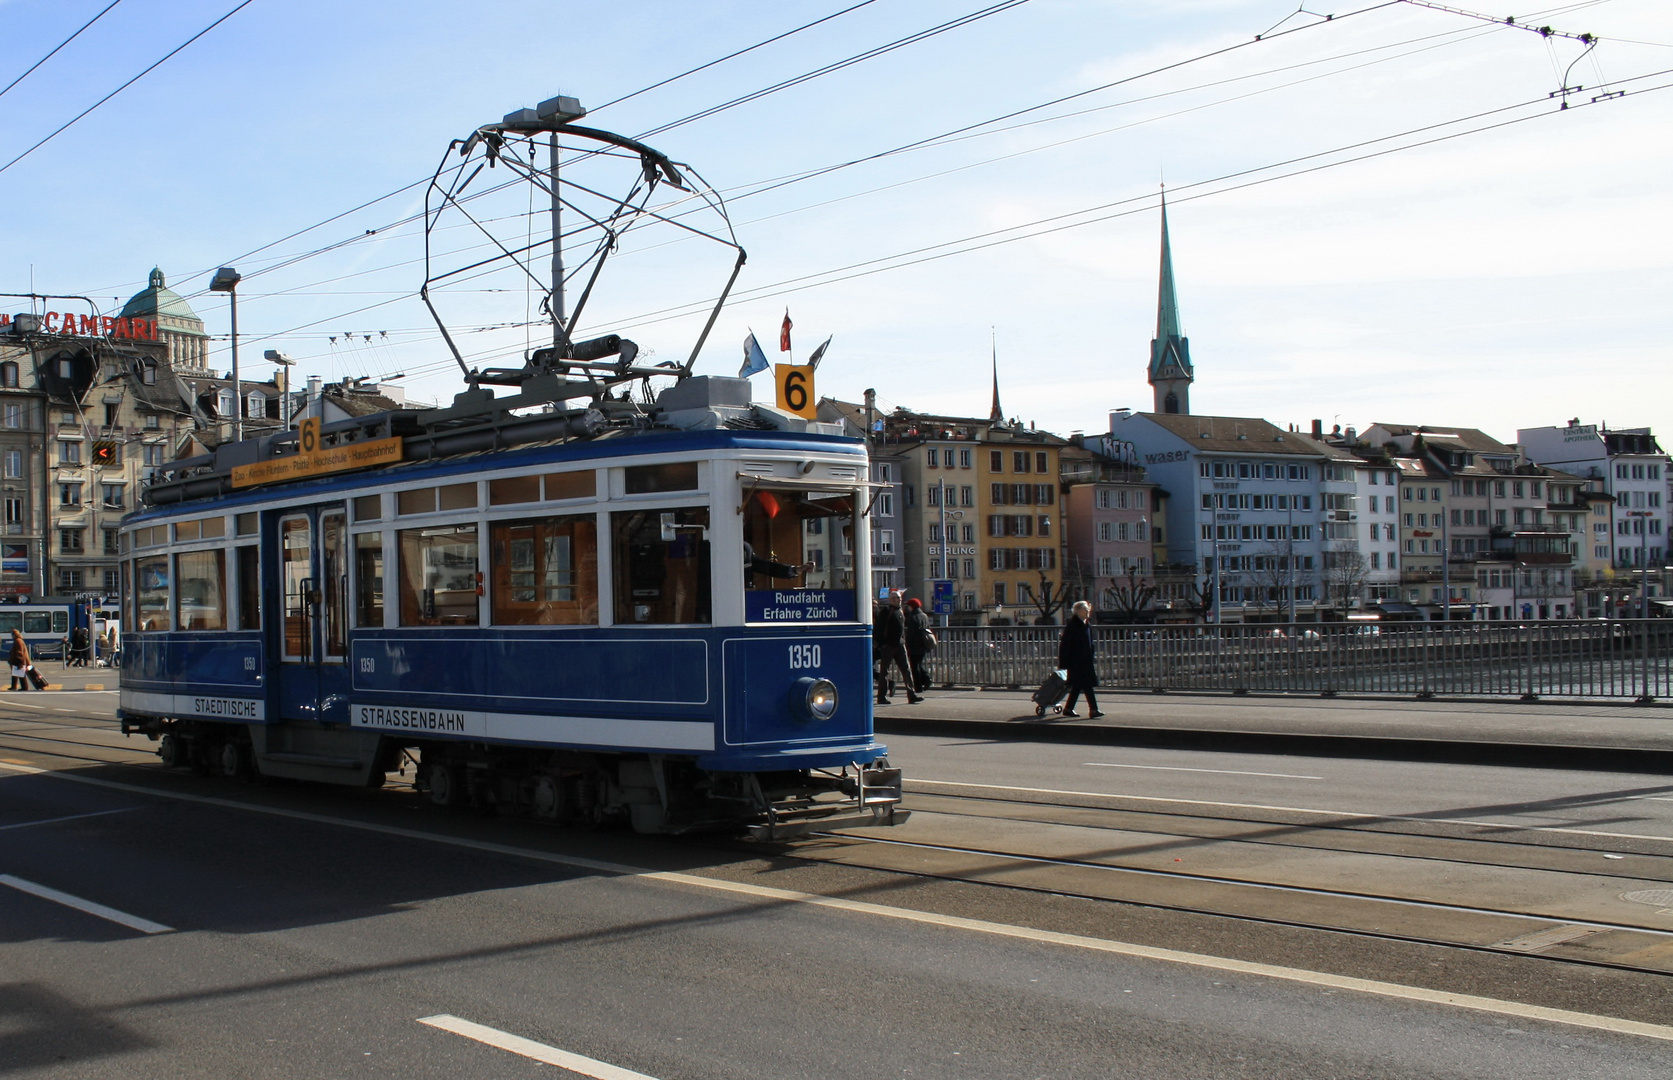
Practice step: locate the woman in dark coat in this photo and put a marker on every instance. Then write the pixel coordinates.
(20, 661)
(1074, 655)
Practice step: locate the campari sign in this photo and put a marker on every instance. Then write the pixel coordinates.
(69, 323)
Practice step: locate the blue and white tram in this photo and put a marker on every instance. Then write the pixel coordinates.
(664, 622)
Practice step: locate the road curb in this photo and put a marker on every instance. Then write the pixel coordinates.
(1529, 755)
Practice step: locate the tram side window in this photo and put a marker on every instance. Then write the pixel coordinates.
(799, 556)
(438, 576)
(200, 578)
(368, 577)
(546, 571)
(152, 592)
(661, 565)
(249, 587)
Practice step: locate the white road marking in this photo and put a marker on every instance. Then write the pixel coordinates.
(67, 817)
(19, 704)
(1300, 810)
(1023, 933)
(528, 1048)
(132, 922)
(1177, 768)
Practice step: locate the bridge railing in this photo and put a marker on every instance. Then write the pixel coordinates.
(1616, 658)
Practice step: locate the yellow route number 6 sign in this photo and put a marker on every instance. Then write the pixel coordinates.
(795, 390)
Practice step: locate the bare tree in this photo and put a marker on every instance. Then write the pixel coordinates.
(1051, 598)
(1135, 599)
(1271, 578)
(1344, 577)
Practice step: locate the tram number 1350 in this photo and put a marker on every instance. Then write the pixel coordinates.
(804, 656)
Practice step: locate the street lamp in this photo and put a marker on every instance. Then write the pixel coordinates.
(282, 376)
(226, 280)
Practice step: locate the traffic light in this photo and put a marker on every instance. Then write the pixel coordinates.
(106, 453)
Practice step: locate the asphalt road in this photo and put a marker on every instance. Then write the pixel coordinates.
(279, 931)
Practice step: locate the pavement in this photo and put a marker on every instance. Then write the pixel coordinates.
(59, 677)
(1603, 735)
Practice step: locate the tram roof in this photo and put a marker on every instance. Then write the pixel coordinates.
(614, 444)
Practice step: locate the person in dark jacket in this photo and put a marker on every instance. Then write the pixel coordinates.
(919, 640)
(1075, 656)
(80, 640)
(889, 645)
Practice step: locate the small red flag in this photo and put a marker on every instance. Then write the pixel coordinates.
(784, 333)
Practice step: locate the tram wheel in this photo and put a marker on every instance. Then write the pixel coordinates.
(201, 758)
(231, 759)
(446, 785)
(172, 751)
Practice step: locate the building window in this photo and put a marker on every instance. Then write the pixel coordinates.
(153, 422)
(153, 453)
(148, 374)
(255, 404)
(8, 373)
(112, 496)
(1019, 461)
(69, 494)
(14, 464)
(964, 459)
(14, 511)
(110, 414)
(885, 473)
(999, 592)
(110, 541)
(996, 460)
(12, 416)
(1040, 461)
(932, 458)
(69, 453)
(886, 504)
(69, 581)
(69, 540)
(967, 495)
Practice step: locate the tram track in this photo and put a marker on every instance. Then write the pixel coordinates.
(1365, 914)
(1554, 935)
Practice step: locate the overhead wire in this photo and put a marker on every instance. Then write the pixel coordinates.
(154, 66)
(59, 46)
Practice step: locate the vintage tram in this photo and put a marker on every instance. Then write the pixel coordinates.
(581, 604)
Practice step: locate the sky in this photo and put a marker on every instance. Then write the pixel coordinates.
(1382, 216)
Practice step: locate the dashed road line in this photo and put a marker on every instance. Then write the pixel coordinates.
(516, 1044)
(66, 817)
(132, 922)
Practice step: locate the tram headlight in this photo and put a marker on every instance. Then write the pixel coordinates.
(814, 699)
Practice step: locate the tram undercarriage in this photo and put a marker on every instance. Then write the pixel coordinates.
(652, 793)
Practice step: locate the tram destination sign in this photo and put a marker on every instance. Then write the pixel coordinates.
(799, 605)
(316, 460)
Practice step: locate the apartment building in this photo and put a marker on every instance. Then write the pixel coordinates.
(1109, 506)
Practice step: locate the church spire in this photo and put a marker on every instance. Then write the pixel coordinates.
(1170, 351)
(995, 414)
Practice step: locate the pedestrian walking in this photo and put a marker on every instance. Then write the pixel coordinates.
(1075, 656)
(920, 640)
(80, 640)
(20, 662)
(889, 646)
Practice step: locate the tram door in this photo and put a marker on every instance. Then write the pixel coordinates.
(313, 582)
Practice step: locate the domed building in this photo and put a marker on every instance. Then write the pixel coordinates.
(178, 326)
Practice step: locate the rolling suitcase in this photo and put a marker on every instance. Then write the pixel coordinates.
(36, 679)
(1050, 693)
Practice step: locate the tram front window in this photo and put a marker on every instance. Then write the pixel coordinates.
(799, 556)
